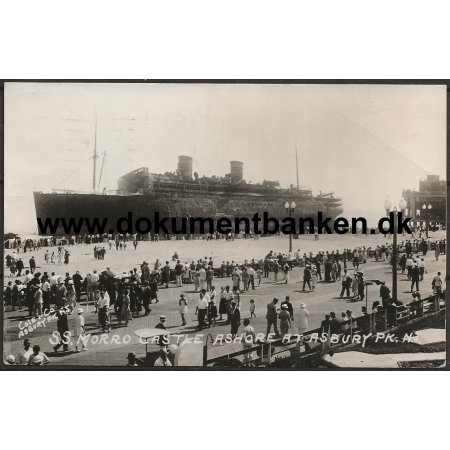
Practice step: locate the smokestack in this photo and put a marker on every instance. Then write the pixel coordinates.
(237, 171)
(185, 167)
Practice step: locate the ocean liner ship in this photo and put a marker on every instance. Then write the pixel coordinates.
(184, 194)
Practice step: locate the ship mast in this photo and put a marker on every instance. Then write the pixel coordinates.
(101, 170)
(296, 165)
(95, 155)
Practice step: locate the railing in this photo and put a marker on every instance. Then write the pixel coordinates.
(379, 321)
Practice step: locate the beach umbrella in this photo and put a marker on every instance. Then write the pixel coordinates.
(148, 333)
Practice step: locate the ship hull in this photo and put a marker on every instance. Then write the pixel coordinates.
(173, 205)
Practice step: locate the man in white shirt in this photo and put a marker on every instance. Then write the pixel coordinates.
(251, 273)
(53, 279)
(421, 265)
(409, 265)
(163, 360)
(25, 353)
(92, 286)
(37, 358)
(103, 310)
(202, 306)
(206, 296)
(46, 294)
(228, 299)
(28, 276)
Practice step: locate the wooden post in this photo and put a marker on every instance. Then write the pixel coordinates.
(205, 353)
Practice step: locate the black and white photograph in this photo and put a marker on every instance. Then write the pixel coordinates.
(246, 225)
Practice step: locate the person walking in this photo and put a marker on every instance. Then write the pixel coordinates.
(145, 296)
(80, 330)
(228, 299)
(236, 277)
(32, 264)
(202, 278)
(71, 296)
(196, 278)
(38, 302)
(212, 312)
(307, 277)
(60, 294)
(209, 277)
(286, 270)
(178, 273)
(202, 305)
(166, 274)
(303, 316)
(421, 265)
(63, 330)
(346, 284)
(437, 252)
(222, 303)
(289, 307)
(415, 277)
(285, 320)
(272, 317)
(235, 319)
(103, 310)
(183, 308)
(313, 277)
(125, 313)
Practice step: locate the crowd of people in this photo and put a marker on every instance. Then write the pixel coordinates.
(130, 294)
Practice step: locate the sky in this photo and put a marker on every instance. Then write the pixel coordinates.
(362, 142)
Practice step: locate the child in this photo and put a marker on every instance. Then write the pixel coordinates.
(252, 309)
(259, 274)
(212, 313)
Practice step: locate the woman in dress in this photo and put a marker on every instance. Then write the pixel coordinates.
(52, 258)
(285, 320)
(183, 308)
(303, 317)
